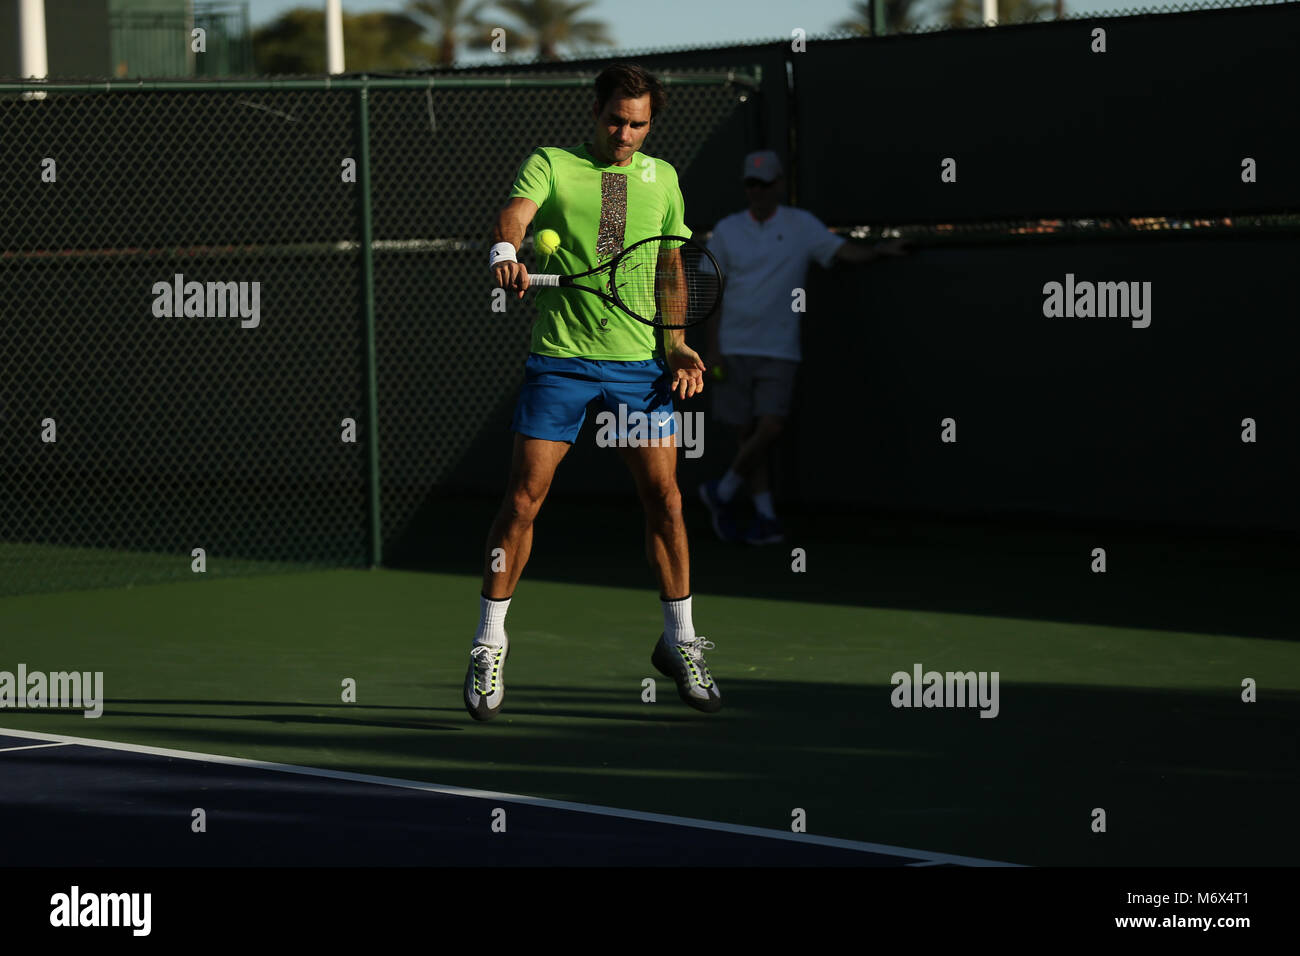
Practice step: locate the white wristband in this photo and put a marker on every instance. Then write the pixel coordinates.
(501, 252)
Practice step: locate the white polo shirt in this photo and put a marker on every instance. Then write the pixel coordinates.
(764, 263)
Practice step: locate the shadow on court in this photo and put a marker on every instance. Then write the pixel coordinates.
(1019, 788)
(1157, 579)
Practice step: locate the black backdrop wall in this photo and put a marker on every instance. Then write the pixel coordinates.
(1039, 124)
(1086, 416)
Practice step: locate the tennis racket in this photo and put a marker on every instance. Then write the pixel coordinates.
(669, 282)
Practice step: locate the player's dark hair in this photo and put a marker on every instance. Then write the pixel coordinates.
(631, 82)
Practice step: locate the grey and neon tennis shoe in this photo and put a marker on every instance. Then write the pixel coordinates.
(685, 664)
(485, 685)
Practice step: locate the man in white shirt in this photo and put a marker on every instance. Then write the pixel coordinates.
(764, 252)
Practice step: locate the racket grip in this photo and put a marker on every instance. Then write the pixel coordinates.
(544, 280)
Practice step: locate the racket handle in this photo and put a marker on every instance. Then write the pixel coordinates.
(545, 281)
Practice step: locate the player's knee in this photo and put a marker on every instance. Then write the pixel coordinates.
(664, 501)
(523, 504)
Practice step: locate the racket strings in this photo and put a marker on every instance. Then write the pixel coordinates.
(668, 282)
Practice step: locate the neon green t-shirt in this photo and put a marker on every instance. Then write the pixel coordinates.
(598, 211)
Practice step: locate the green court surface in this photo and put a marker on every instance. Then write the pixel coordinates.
(1119, 691)
(31, 568)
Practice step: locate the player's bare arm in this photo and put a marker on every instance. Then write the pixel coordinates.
(512, 224)
(673, 299)
(685, 364)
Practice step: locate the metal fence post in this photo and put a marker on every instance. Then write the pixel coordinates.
(368, 308)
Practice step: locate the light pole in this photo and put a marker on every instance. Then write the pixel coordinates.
(334, 36)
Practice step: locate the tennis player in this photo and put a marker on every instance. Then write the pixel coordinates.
(599, 196)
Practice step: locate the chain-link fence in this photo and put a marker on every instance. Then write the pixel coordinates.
(212, 293)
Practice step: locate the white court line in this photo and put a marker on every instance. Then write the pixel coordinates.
(880, 848)
(5, 750)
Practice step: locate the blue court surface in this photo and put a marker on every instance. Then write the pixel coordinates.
(75, 802)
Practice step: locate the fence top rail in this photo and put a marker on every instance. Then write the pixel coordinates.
(752, 79)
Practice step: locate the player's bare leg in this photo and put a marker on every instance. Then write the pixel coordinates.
(509, 543)
(654, 469)
(532, 469)
(679, 654)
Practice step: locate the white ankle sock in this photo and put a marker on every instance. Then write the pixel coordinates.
(729, 485)
(763, 504)
(492, 621)
(677, 621)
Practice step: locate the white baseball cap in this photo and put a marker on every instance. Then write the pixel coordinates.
(764, 165)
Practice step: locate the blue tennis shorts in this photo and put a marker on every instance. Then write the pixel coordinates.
(553, 402)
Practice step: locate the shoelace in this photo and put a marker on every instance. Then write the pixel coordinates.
(695, 649)
(696, 652)
(482, 655)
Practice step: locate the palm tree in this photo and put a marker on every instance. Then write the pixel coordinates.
(450, 19)
(898, 17)
(548, 24)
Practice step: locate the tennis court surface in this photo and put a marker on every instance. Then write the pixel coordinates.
(112, 802)
(1119, 692)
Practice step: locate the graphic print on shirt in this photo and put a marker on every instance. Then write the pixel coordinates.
(613, 224)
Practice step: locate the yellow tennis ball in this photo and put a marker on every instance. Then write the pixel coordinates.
(548, 240)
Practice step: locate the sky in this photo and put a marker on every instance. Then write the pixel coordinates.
(638, 24)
